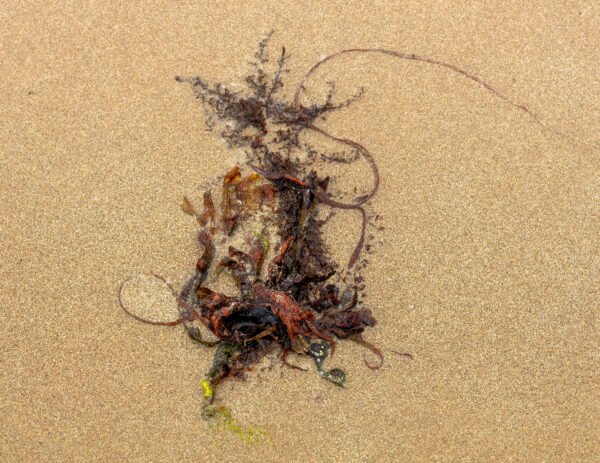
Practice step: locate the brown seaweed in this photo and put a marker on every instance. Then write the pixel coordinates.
(299, 303)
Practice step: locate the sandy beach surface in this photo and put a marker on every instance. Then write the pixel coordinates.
(487, 272)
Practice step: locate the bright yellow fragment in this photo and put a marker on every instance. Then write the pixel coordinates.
(208, 391)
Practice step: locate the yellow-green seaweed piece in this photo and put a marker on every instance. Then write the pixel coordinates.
(208, 390)
(221, 418)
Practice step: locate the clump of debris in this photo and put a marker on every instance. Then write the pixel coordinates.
(265, 233)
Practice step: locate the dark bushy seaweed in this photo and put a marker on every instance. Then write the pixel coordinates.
(299, 302)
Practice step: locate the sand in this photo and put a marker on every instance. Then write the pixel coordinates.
(488, 272)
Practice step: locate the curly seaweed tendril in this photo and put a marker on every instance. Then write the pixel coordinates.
(185, 317)
(358, 203)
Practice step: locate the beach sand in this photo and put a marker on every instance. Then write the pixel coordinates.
(487, 273)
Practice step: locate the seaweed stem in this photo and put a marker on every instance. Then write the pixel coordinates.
(362, 342)
(188, 316)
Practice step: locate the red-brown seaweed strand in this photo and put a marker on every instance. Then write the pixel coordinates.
(362, 342)
(189, 315)
(357, 205)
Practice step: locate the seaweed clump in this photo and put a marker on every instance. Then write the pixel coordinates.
(290, 297)
(293, 296)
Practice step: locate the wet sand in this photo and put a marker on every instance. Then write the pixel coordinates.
(487, 273)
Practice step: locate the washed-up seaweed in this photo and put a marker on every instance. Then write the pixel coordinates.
(295, 300)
